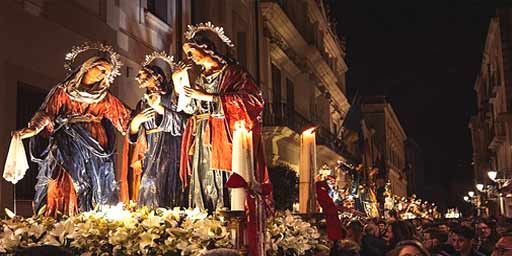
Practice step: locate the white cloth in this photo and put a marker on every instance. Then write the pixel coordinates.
(16, 163)
(180, 80)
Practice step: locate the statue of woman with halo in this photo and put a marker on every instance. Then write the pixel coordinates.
(72, 137)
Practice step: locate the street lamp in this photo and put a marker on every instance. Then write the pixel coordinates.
(492, 175)
(471, 193)
(480, 187)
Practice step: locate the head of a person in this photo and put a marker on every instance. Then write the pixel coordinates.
(462, 239)
(382, 226)
(433, 238)
(152, 78)
(398, 231)
(409, 248)
(485, 229)
(372, 229)
(504, 246)
(345, 248)
(96, 69)
(354, 231)
(202, 50)
(443, 227)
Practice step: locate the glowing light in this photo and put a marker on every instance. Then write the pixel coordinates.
(471, 193)
(480, 187)
(115, 212)
(492, 175)
(466, 198)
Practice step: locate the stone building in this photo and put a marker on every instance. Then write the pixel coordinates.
(288, 46)
(491, 126)
(389, 139)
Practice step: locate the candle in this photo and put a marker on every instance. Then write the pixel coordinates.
(307, 168)
(242, 163)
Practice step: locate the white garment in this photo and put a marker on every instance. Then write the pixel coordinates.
(16, 163)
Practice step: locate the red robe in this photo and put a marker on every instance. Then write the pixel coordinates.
(61, 192)
(241, 99)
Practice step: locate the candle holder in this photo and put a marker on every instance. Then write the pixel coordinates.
(237, 226)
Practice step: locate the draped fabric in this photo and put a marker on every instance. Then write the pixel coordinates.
(206, 150)
(236, 98)
(75, 158)
(156, 157)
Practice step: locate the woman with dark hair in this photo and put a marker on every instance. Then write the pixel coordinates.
(396, 232)
(409, 248)
(156, 133)
(73, 138)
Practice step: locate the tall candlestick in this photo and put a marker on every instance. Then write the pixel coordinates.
(307, 168)
(242, 163)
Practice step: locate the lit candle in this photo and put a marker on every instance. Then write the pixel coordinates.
(307, 168)
(242, 163)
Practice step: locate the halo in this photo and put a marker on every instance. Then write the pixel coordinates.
(77, 50)
(208, 26)
(159, 55)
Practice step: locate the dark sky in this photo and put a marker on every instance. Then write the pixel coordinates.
(425, 58)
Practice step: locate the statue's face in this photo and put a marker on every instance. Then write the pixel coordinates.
(146, 80)
(198, 56)
(97, 73)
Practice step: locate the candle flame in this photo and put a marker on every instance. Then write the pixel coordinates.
(309, 131)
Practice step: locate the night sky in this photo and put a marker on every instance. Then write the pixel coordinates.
(425, 59)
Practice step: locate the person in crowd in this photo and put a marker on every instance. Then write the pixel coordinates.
(409, 248)
(396, 232)
(372, 238)
(504, 246)
(355, 234)
(463, 239)
(486, 235)
(436, 242)
(345, 248)
(382, 227)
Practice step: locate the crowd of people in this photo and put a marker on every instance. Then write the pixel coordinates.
(422, 237)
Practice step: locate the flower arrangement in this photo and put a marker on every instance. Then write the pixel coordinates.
(288, 234)
(117, 231)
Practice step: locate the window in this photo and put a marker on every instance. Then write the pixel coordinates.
(158, 8)
(28, 101)
(276, 94)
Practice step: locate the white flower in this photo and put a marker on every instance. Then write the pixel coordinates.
(147, 239)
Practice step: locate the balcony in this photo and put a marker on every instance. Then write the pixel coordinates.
(298, 123)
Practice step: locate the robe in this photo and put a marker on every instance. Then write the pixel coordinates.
(157, 153)
(75, 158)
(236, 98)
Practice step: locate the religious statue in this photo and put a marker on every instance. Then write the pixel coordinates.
(155, 132)
(72, 136)
(223, 94)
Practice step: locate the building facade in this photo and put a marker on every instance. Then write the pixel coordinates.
(491, 127)
(389, 139)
